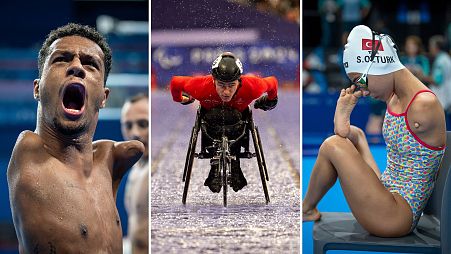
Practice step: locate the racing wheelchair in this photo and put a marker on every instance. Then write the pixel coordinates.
(221, 148)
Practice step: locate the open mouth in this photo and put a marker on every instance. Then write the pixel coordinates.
(74, 99)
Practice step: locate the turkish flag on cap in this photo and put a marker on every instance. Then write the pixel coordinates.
(366, 44)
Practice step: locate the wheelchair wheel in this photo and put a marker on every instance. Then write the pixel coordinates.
(190, 153)
(185, 189)
(224, 167)
(189, 164)
(190, 157)
(261, 153)
(258, 152)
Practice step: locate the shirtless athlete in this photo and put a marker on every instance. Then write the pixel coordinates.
(62, 185)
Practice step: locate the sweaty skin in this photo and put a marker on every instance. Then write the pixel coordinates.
(62, 185)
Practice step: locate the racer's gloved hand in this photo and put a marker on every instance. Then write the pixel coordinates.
(186, 99)
(265, 104)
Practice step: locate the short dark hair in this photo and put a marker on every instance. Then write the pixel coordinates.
(138, 97)
(79, 30)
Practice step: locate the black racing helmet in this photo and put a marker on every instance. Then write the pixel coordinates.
(227, 68)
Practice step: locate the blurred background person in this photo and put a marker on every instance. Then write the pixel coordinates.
(328, 10)
(135, 126)
(353, 12)
(440, 77)
(414, 58)
(125, 25)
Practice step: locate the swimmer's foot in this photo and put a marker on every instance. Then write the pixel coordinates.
(311, 215)
(345, 104)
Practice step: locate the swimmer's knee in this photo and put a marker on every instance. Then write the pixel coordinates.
(334, 145)
(358, 131)
(334, 142)
(356, 135)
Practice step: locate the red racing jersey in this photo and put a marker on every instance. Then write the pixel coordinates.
(202, 88)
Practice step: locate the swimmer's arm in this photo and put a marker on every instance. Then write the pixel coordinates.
(118, 157)
(125, 155)
(20, 171)
(427, 120)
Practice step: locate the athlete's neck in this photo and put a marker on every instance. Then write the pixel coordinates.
(75, 150)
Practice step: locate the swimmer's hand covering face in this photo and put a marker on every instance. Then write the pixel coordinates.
(356, 91)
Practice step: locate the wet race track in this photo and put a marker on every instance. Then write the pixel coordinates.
(247, 225)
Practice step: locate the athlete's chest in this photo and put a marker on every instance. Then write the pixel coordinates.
(80, 209)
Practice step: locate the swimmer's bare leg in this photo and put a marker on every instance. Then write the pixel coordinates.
(343, 128)
(375, 208)
(323, 177)
(358, 139)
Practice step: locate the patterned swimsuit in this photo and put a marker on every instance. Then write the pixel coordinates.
(411, 164)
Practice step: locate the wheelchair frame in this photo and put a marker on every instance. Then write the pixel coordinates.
(222, 154)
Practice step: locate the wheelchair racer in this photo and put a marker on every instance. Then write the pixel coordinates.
(225, 90)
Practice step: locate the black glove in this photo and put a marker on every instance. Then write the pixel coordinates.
(265, 104)
(190, 99)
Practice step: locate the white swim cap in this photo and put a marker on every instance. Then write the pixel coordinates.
(359, 48)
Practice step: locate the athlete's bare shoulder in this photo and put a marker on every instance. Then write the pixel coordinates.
(100, 146)
(28, 141)
(129, 148)
(427, 120)
(426, 110)
(28, 149)
(118, 150)
(119, 156)
(103, 152)
(126, 153)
